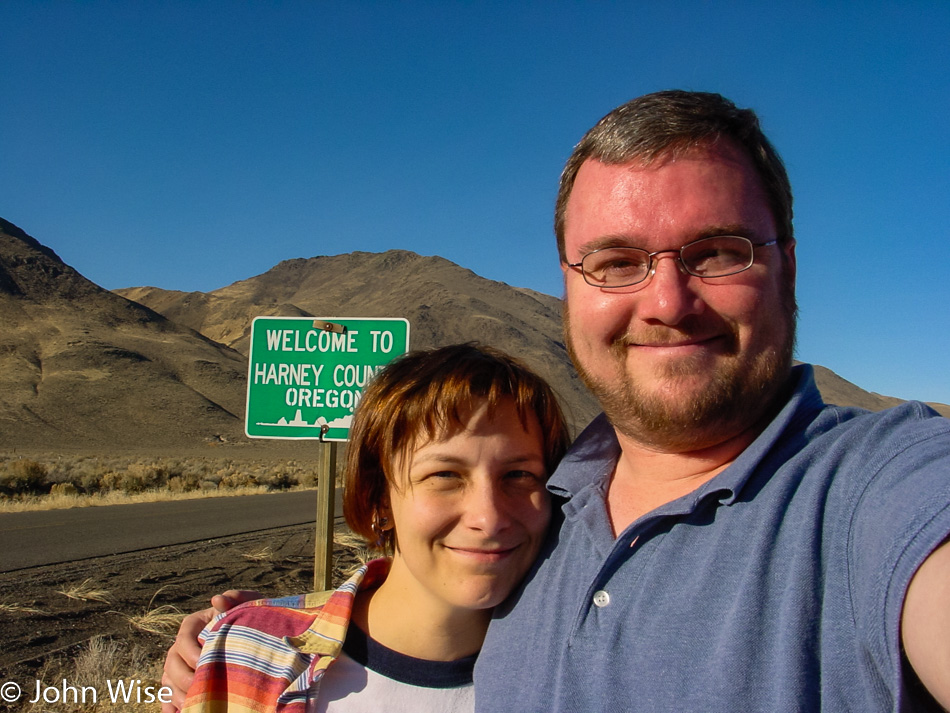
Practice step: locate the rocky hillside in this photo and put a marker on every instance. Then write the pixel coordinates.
(83, 367)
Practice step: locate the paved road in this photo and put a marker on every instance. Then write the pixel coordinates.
(32, 539)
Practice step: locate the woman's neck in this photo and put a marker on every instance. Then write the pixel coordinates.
(401, 620)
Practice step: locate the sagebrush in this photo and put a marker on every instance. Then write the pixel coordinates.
(85, 475)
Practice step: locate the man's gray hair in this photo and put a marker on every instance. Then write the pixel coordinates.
(668, 124)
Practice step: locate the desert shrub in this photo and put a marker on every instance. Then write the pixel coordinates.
(196, 470)
(212, 477)
(239, 479)
(307, 478)
(174, 467)
(60, 471)
(111, 480)
(22, 477)
(279, 480)
(132, 483)
(224, 472)
(106, 477)
(85, 472)
(150, 475)
(89, 481)
(63, 489)
(134, 478)
(183, 483)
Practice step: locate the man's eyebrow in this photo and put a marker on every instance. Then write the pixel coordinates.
(740, 229)
(628, 241)
(607, 241)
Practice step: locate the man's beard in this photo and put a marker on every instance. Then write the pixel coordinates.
(741, 391)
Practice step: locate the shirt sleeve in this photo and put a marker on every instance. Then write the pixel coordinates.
(901, 514)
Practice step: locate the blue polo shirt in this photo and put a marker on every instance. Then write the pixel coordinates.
(776, 586)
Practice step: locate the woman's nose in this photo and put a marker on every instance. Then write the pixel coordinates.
(485, 508)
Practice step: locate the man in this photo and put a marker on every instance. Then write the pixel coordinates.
(725, 542)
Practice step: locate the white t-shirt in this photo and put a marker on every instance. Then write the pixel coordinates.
(368, 678)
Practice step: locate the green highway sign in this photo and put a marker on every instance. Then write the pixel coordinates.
(306, 375)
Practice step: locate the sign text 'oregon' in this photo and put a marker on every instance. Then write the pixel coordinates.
(306, 375)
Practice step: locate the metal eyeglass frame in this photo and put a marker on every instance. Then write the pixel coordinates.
(651, 265)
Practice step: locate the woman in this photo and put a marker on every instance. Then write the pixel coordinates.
(449, 452)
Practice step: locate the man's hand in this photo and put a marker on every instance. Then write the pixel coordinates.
(182, 658)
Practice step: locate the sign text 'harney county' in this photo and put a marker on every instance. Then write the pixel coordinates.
(307, 376)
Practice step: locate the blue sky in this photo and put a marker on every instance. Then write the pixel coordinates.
(189, 145)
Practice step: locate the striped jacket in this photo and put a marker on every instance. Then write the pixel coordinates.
(265, 655)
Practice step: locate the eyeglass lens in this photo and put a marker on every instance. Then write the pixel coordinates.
(710, 257)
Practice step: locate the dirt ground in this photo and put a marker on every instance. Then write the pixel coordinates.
(39, 625)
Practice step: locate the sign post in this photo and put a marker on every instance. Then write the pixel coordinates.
(305, 378)
(323, 536)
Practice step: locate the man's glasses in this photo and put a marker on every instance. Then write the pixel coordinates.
(718, 256)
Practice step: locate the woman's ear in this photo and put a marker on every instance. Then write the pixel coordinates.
(384, 513)
(382, 525)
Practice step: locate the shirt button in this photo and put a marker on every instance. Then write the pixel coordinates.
(601, 598)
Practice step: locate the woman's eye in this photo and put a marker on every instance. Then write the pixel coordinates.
(442, 479)
(436, 478)
(523, 476)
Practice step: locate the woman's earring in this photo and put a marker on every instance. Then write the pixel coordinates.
(380, 526)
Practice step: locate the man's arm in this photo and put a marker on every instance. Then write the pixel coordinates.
(925, 624)
(182, 658)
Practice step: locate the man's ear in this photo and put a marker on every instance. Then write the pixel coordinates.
(790, 263)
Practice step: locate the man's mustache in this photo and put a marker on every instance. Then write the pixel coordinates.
(690, 331)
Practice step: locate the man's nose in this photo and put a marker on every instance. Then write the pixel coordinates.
(669, 295)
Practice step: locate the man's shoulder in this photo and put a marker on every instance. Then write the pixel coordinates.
(849, 445)
(806, 397)
(911, 420)
(864, 461)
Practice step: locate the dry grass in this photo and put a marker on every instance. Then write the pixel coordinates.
(163, 620)
(63, 502)
(87, 592)
(14, 608)
(356, 549)
(263, 554)
(99, 661)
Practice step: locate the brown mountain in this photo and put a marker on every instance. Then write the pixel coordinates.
(83, 367)
(443, 302)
